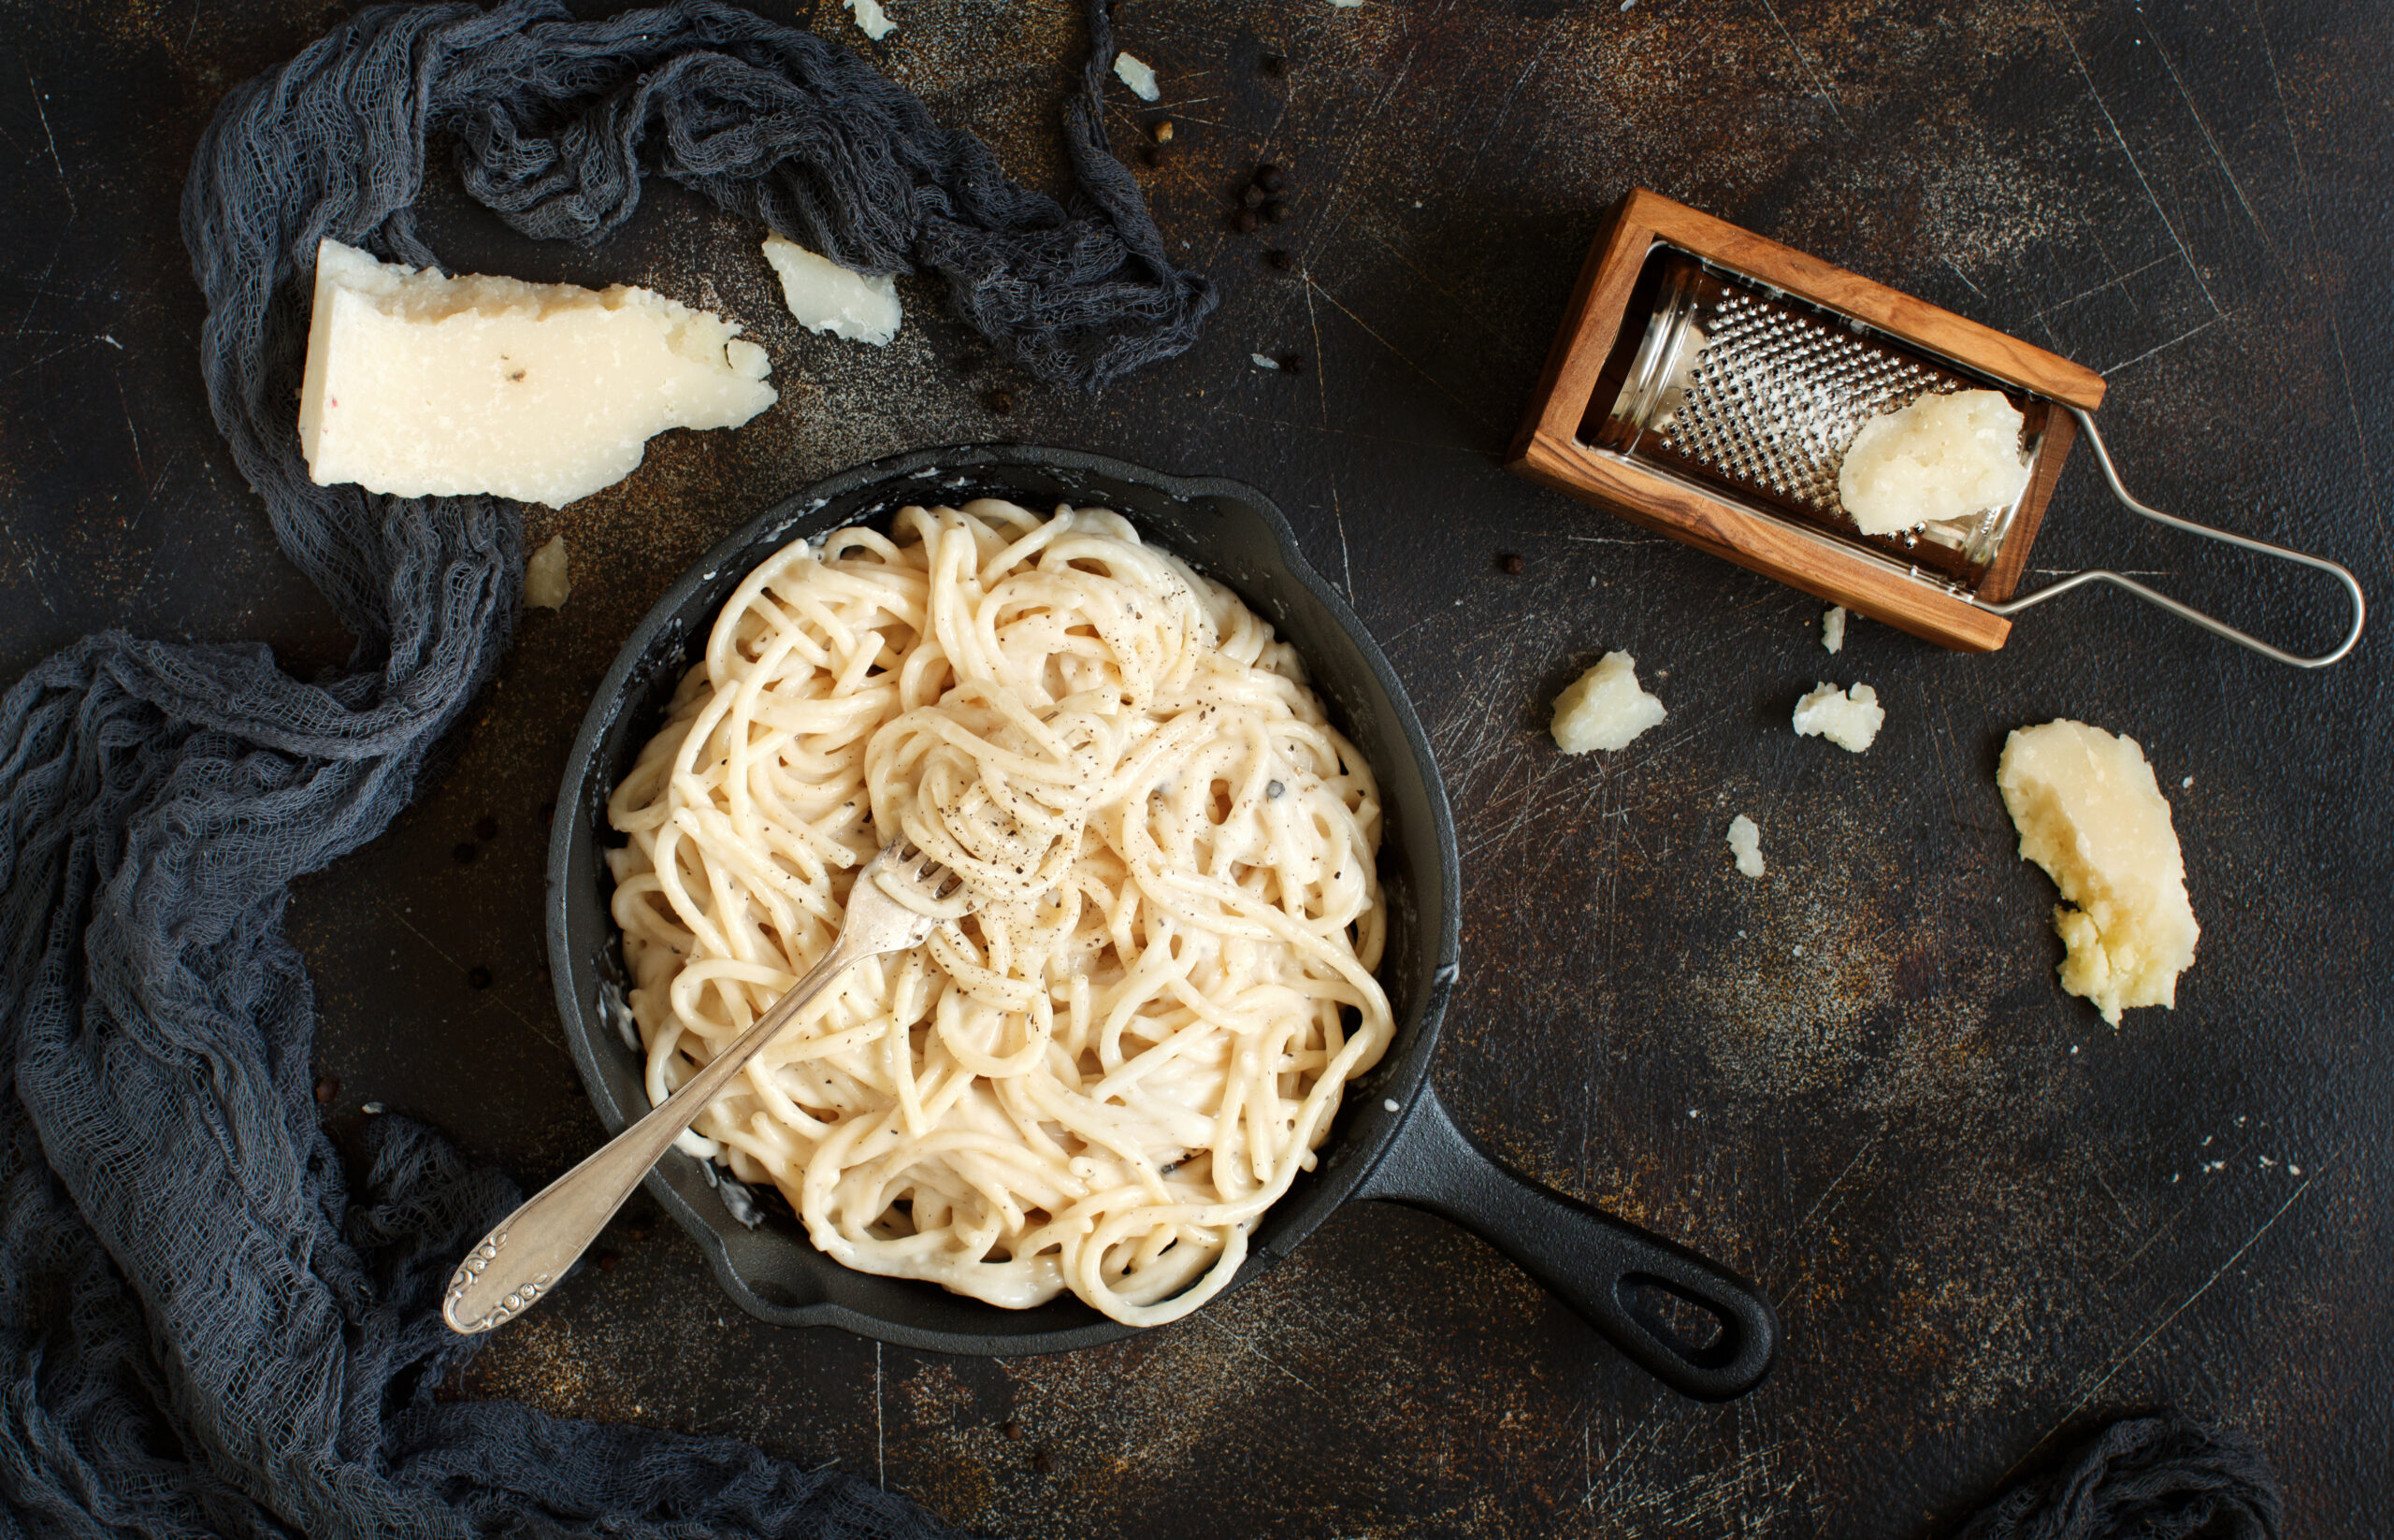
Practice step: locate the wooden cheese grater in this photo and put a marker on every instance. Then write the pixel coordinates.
(1707, 381)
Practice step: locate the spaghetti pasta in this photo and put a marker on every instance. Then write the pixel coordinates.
(1101, 1075)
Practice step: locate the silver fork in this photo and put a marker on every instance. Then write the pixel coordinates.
(522, 1259)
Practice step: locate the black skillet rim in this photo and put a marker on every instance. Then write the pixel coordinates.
(1377, 1104)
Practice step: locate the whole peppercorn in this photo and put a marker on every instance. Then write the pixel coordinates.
(998, 401)
(1280, 260)
(1250, 197)
(1277, 211)
(328, 1090)
(1271, 177)
(477, 978)
(1512, 565)
(1272, 64)
(1292, 365)
(1244, 221)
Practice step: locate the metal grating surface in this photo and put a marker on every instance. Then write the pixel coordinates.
(1776, 397)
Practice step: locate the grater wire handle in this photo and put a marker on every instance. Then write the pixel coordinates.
(2185, 612)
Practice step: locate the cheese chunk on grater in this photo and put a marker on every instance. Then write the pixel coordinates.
(1708, 382)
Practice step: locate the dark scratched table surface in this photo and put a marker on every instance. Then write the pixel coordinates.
(1988, 1221)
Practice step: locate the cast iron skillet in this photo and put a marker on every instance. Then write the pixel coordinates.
(1391, 1141)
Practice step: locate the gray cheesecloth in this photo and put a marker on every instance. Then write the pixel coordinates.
(205, 1330)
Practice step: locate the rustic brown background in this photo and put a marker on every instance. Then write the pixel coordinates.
(1988, 1221)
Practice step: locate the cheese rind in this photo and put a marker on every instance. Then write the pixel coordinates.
(828, 298)
(1851, 720)
(1604, 708)
(1942, 457)
(420, 384)
(2090, 813)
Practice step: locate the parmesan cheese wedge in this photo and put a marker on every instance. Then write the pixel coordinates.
(2090, 813)
(426, 385)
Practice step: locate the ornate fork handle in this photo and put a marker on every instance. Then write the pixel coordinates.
(530, 1250)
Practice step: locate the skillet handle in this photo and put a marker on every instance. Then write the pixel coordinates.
(1607, 1271)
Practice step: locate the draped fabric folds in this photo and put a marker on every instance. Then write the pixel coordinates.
(204, 1330)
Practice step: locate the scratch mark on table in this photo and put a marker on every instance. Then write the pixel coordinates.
(1965, 278)
(2163, 1324)
(56, 353)
(2212, 141)
(149, 496)
(1323, 224)
(130, 431)
(1797, 1229)
(1341, 432)
(2121, 139)
(1820, 88)
(1451, 297)
(1247, 1346)
(1313, 288)
(2166, 1226)
(60, 165)
(2190, 331)
(2123, 572)
(1505, 104)
(2335, 330)
(1179, 114)
(2116, 280)
(1328, 470)
(2127, 1220)
(434, 947)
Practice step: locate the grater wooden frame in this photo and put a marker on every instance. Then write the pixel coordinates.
(1549, 448)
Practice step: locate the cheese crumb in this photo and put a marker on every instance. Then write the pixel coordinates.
(828, 298)
(425, 385)
(874, 21)
(1942, 457)
(545, 584)
(1139, 77)
(1850, 721)
(2090, 813)
(1604, 708)
(1745, 842)
(1833, 629)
